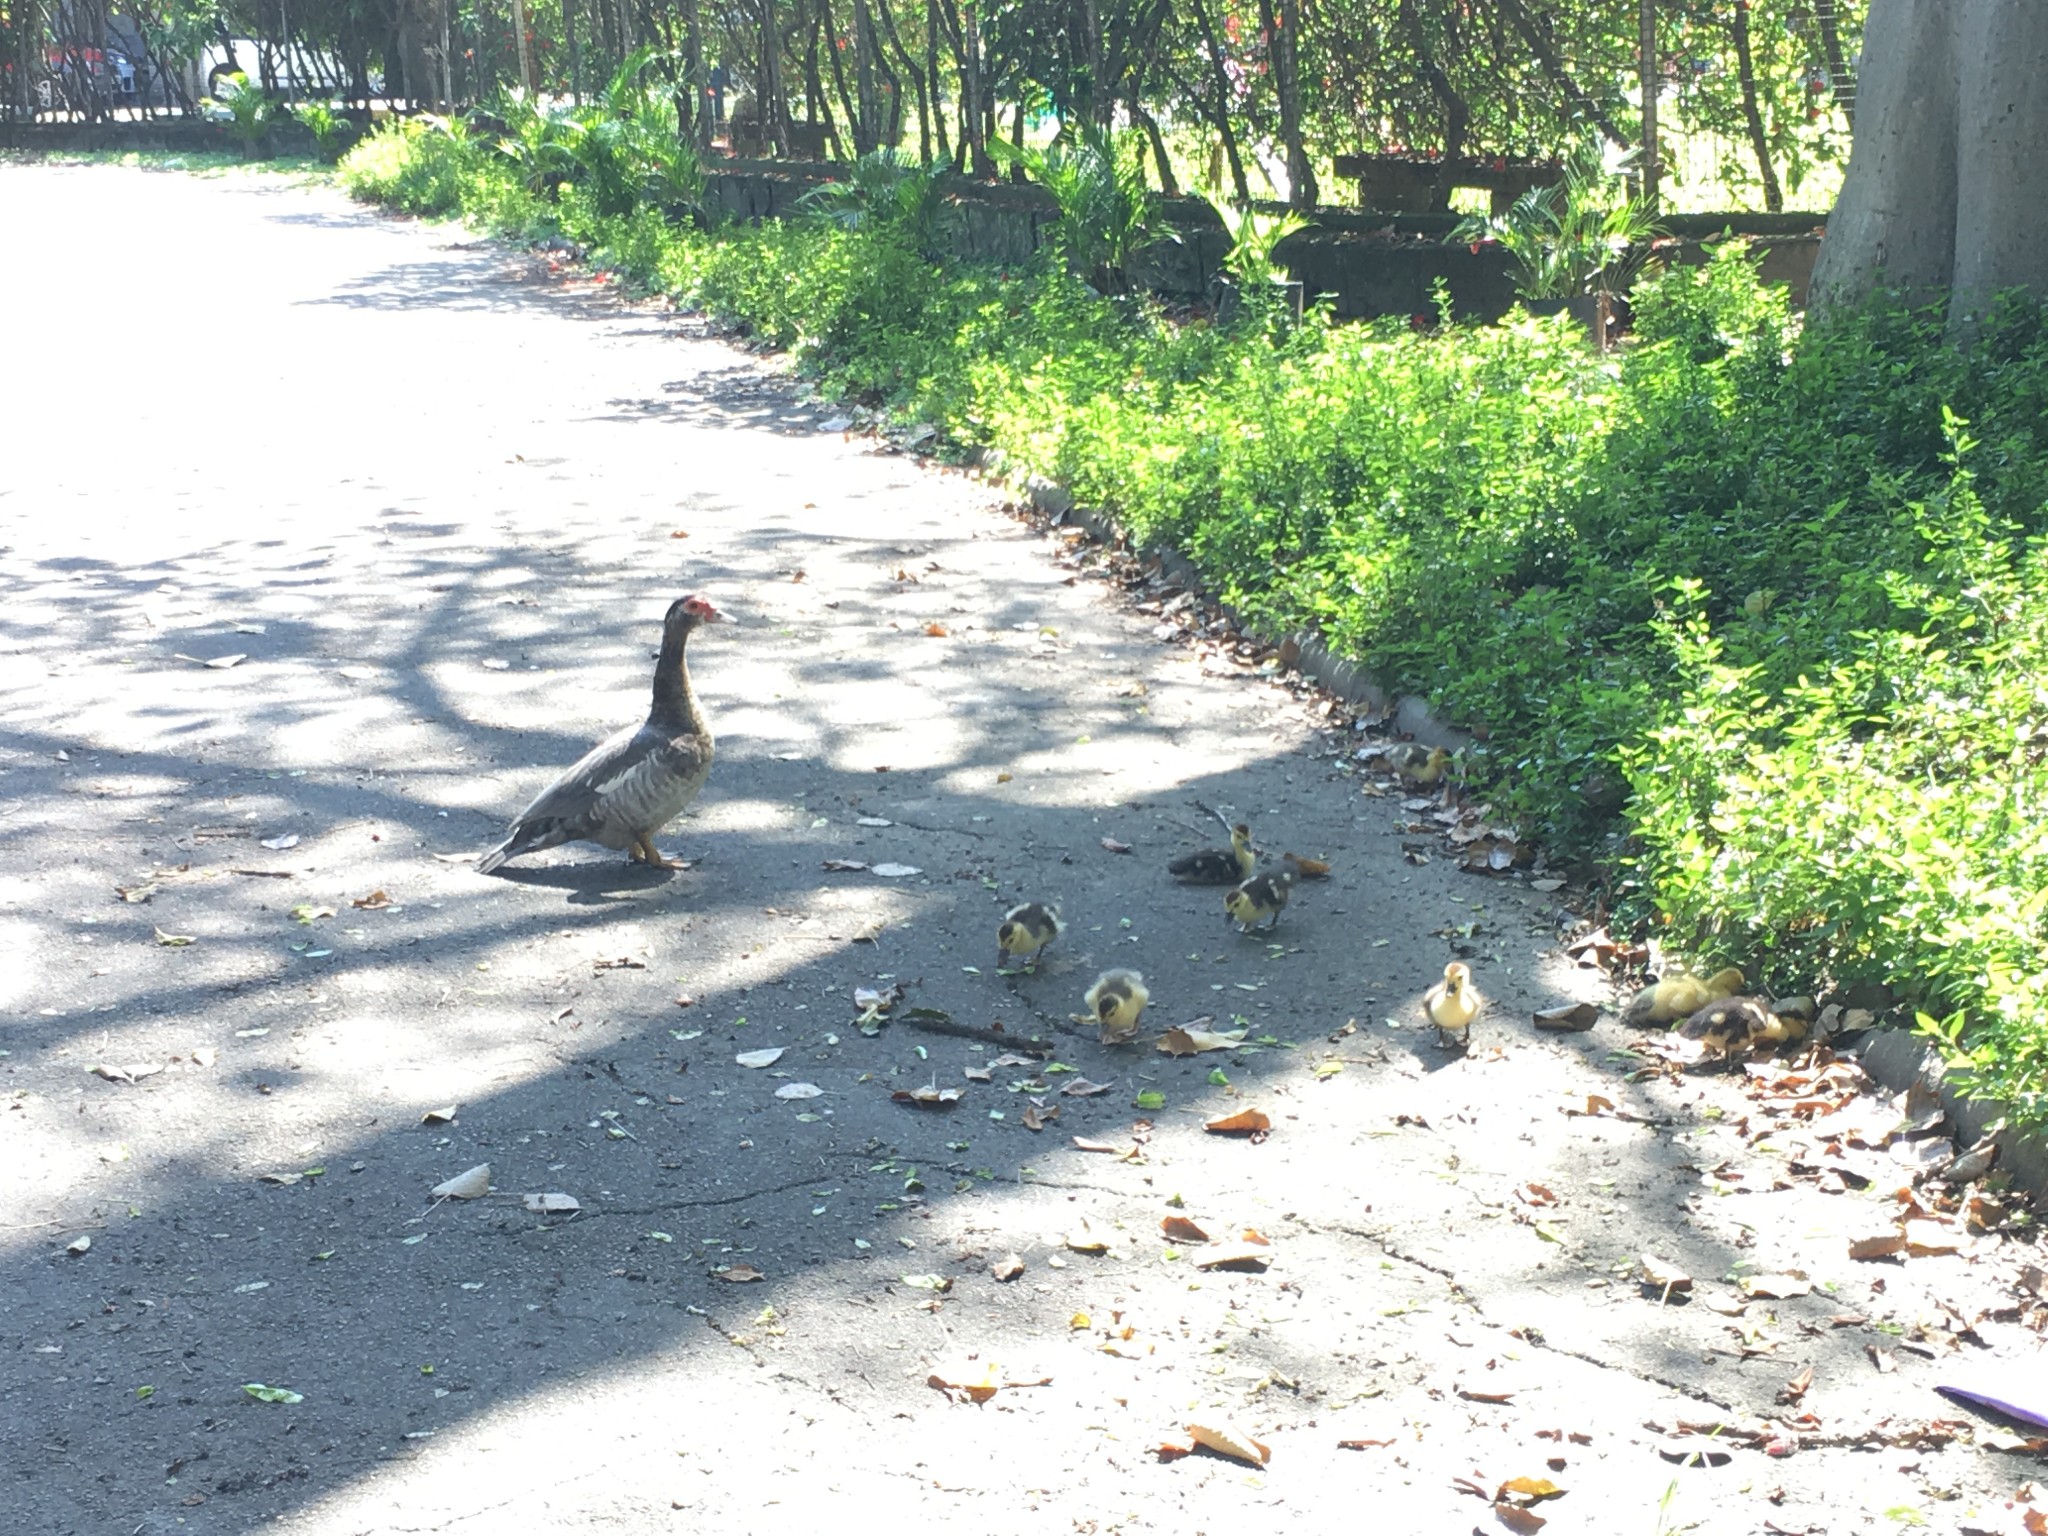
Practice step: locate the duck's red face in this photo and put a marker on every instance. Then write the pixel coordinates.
(698, 608)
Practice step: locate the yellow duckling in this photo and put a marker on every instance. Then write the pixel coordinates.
(1116, 1001)
(1679, 997)
(1417, 764)
(1025, 932)
(1259, 899)
(1217, 866)
(1452, 1004)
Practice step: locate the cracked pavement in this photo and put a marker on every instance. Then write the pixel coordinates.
(436, 496)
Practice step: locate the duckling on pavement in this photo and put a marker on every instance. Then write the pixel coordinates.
(1116, 1001)
(1679, 997)
(1452, 1004)
(1415, 763)
(1260, 899)
(1217, 866)
(1025, 932)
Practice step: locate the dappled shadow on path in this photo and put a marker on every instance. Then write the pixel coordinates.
(358, 1015)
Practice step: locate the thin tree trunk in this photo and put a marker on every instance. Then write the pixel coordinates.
(1841, 79)
(1280, 26)
(854, 122)
(575, 52)
(1457, 116)
(525, 53)
(924, 124)
(1646, 44)
(931, 67)
(976, 130)
(1752, 117)
(1146, 121)
(868, 134)
(700, 78)
(1220, 78)
(1553, 66)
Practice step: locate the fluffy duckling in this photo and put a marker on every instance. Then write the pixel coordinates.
(1259, 899)
(1415, 763)
(1730, 1026)
(1116, 1000)
(1217, 866)
(1452, 1004)
(1025, 932)
(1679, 997)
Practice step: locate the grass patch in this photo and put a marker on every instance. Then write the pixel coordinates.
(1755, 620)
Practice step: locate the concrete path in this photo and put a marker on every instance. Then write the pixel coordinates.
(436, 498)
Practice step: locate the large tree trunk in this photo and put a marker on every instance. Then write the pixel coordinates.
(1947, 184)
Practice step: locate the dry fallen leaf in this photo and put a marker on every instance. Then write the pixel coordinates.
(1226, 1439)
(1796, 1388)
(979, 1381)
(1879, 1245)
(441, 1116)
(799, 1091)
(1306, 868)
(1085, 1239)
(1927, 1237)
(135, 893)
(1567, 1017)
(936, 630)
(1007, 1268)
(1081, 1088)
(373, 901)
(738, 1274)
(1244, 1122)
(1086, 1144)
(1245, 1256)
(1036, 1116)
(928, 1096)
(472, 1184)
(173, 940)
(1114, 846)
(553, 1204)
(1665, 1277)
(761, 1058)
(1775, 1287)
(1181, 1230)
(845, 866)
(1190, 1040)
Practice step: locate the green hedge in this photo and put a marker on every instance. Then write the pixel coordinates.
(1754, 619)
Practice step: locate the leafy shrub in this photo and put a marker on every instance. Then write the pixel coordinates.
(417, 165)
(1107, 209)
(332, 132)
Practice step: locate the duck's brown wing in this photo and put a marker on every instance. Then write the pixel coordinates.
(595, 798)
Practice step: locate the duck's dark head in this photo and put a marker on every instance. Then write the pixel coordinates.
(686, 613)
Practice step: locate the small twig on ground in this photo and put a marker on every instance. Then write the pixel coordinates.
(1207, 811)
(933, 1022)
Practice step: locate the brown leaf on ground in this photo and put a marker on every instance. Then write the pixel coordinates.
(1087, 1144)
(928, 1097)
(1529, 1490)
(1775, 1287)
(738, 1274)
(1535, 1194)
(1189, 1040)
(1925, 1238)
(936, 630)
(1007, 1268)
(1308, 869)
(1880, 1245)
(1885, 1361)
(1362, 1445)
(1517, 1518)
(1035, 1116)
(1227, 1440)
(1664, 1277)
(1181, 1230)
(1113, 846)
(1486, 1394)
(1244, 1123)
(1250, 1257)
(1796, 1388)
(370, 903)
(1567, 1017)
(1081, 1088)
